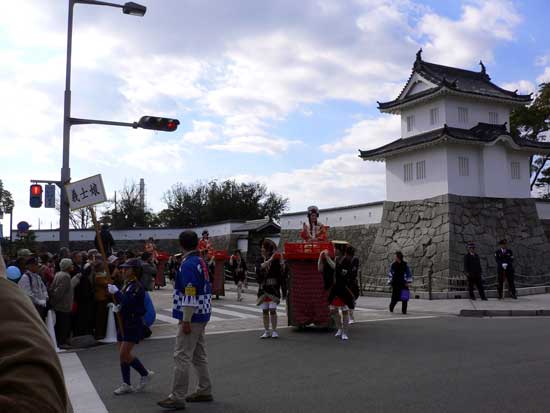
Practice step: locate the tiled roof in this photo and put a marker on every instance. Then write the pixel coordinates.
(255, 225)
(480, 134)
(452, 79)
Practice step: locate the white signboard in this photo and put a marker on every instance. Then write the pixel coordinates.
(86, 192)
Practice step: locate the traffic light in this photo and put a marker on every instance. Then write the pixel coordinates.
(36, 196)
(49, 196)
(156, 123)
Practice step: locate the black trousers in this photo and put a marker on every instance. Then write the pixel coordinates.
(395, 298)
(475, 281)
(509, 276)
(62, 326)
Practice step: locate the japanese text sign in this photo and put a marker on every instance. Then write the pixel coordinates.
(86, 192)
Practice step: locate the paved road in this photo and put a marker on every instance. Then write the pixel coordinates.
(445, 364)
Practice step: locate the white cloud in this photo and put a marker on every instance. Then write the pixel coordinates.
(522, 86)
(343, 180)
(543, 60)
(463, 42)
(545, 76)
(255, 144)
(203, 132)
(368, 134)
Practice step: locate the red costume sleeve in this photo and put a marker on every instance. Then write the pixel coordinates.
(304, 234)
(322, 235)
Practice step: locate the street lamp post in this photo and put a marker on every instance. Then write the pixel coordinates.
(130, 8)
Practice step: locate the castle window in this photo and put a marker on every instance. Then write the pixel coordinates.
(462, 115)
(515, 167)
(421, 170)
(463, 166)
(408, 172)
(434, 116)
(493, 118)
(410, 123)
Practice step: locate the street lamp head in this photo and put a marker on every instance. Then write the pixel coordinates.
(134, 9)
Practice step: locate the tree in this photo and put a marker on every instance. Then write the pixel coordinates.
(128, 211)
(533, 122)
(79, 219)
(6, 200)
(202, 203)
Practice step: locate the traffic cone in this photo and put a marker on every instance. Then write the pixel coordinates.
(50, 323)
(110, 334)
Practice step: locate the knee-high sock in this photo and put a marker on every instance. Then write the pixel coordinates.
(273, 317)
(125, 370)
(351, 315)
(337, 320)
(345, 319)
(266, 321)
(137, 366)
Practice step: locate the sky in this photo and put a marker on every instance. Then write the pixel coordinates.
(282, 92)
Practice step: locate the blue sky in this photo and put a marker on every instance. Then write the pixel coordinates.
(281, 92)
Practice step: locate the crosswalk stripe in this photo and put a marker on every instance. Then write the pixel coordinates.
(167, 319)
(233, 313)
(254, 309)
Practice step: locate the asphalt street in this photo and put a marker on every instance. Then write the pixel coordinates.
(444, 364)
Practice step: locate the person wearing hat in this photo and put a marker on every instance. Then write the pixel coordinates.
(205, 244)
(270, 273)
(130, 302)
(314, 231)
(61, 299)
(31, 283)
(505, 269)
(472, 269)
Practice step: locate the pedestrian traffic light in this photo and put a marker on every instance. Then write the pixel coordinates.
(36, 196)
(156, 123)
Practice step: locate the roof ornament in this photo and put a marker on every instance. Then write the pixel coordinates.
(482, 67)
(419, 55)
(445, 128)
(516, 92)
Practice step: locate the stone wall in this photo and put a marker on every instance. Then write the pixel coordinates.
(432, 234)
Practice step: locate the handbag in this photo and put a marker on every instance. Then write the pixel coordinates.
(405, 294)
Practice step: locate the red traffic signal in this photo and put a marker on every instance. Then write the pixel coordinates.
(36, 196)
(156, 123)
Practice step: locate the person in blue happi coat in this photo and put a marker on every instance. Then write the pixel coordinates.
(192, 307)
(400, 279)
(131, 309)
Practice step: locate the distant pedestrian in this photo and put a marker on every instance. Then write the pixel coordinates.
(353, 277)
(472, 269)
(192, 307)
(149, 271)
(400, 279)
(131, 307)
(271, 278)
(505, 269)
(239, 271)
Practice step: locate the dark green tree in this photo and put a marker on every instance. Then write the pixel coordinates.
(533, 122)
(127, 211)
(6, 200)
(214, 201)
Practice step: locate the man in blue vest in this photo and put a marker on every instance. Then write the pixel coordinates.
(192, 307)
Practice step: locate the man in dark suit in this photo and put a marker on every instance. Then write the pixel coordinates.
(472, 269)
(505, 269)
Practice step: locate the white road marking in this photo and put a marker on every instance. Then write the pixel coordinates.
(82, 393)
(232, 313)
(211, 333)
(254, 309)
(167, 319)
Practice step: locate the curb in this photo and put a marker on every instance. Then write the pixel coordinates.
(504, 313)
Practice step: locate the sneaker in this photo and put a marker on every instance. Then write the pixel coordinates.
(345, 336)
(144, 381)
(198, 398)
(124, 388)
(265, 334)
(351, 321)
(338, 333)
(274, 334)
(172, 404)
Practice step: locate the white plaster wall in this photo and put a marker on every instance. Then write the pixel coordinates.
(242, 244)
(136, 234)
(464, 185)
(434, 184)
(543, 209)
(422, 117)
(360, 215)
(478, 111)
(497, 179)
